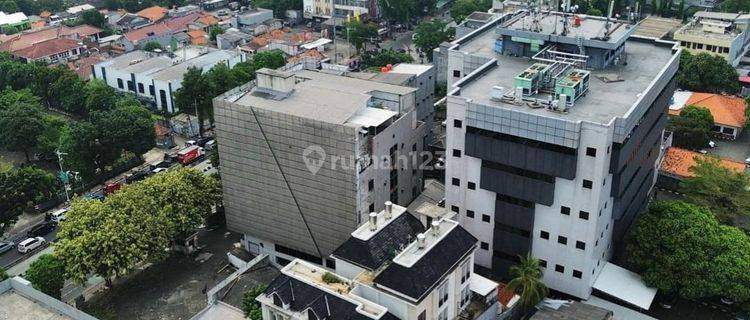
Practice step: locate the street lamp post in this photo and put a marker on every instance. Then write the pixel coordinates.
(59, 163)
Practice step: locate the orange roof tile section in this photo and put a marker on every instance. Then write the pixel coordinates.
(198, 37)
(46, 48)
(154, 13)
(678, 161)
(727, 110)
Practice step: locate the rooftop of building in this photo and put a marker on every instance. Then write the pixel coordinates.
(12, 18)
(324, 97)
(678, 161)
(20, 301)
(153, 13)
(428, 202)
(714, 26)
(569, 310)
(209, 58)
(30, 37)
(612, 91)
(80, 8)
(301, 287)
(549, 25)
(47, 48)
(726, 110)
(657, 27)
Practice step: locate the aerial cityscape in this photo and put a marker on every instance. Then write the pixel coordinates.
(374, 159)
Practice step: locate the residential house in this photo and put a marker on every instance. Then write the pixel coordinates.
(58, 50)
(728, 111)
(77, 10)
(160, 32)
(128, 22)
(83, 67)
(720, 33)
(70, 43)
(184, 10)
(198, 37)
(564, 309)
(153, 14)
(20, 301)
(676, 164)
(232, 39)
(17, 21)
(248, 20)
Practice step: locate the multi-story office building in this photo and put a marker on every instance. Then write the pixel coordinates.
(339, 8)
(554, 130)
(391, 267)
(155, 77)
(720, 33)
(306, 156)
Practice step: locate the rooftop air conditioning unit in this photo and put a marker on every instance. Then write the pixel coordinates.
(497, 93)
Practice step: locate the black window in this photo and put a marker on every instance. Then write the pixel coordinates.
(471, 185)
(559, 268)
(330, 263)
(485, 218)
(484, 246)
(565, 210)
(456, 181)
(544, 234)
(543, 263)
(562, 240)
(423, 315)
(591, 152)
(119, 83)
(577, 274)
(596, 244)
(456, 73)
(454, 209)
(587, 184)
(583, 215)
(370, 185)
(140, 88)
(580, 245)
(469, 213)
(163, 98)
(131, 86)
(371, 208)
(456, 153)
(151, 90)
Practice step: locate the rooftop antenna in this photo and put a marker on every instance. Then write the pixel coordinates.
(566, 9)
(609, 16)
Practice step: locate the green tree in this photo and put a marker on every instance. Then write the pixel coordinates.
(9, 30)
(594, 12)
(735, 6)
(220, 79)
(94, 18)
(68, 94)
(430, 34)
(706, 72)
(272, 59)
(725, 192)
(47, 274)
(527, 281)
(8, 6)
(152, 46)
(463, 8)
(398, 11)
(692, 128)
(21, 189)
(213, 32)
(99, 96)
(279, 7)
(360, 33)
(193, 96)
(681, 248)
(49, 139)
(3, 274)
(134, 225)
(250, 307)
(127, 127)
(21, 125)
(384, 58)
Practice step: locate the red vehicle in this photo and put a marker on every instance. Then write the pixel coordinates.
(111, 187)
(188, 155)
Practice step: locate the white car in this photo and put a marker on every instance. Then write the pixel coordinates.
(30, 244)
(59, 215)
(157, 170)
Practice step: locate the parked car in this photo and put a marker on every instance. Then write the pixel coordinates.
(59, 215)
(31, 244)
(41, 229)
(6, 246)
(47, 205)
(111, 187)
(157, 170)
(210, 144)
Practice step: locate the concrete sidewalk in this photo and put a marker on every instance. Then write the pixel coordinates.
(21, 267)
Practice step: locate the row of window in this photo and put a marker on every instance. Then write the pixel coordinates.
(562, 240)
(561, 269)
(699, 46)
(583, 215)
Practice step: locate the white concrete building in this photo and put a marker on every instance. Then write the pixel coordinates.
(155, 77)
(391, 267)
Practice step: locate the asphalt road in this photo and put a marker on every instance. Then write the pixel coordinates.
(12, 257)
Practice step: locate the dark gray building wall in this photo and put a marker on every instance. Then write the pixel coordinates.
(495, 178)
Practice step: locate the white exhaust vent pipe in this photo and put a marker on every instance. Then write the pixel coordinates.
(436, 228)
(421, 241)
(373, 221)
(388, 210)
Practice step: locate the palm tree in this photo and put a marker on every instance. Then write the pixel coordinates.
(527, 281)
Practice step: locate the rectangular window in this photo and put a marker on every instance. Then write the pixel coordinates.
(119, 83)
(484, 245)
(131, 86)
(565, 210)
(583, 215)
(443, 294)
(454, 209)
(422, 316)
(456, 73)
(457, 153)
(471, 185)
(469, 214)
(559, 268)
(562, 240)
(544, 235)
(728, 131)
(543, 263)
(591, 152)
(726, 49)
(140, 88)
(456, 181)
(587, 184)
(465, 272)
(151, 90)
(577, 274)
(371, 208)
(370, 185)
(457, 123)
(485, 218)
(443, 315)
(580, 245)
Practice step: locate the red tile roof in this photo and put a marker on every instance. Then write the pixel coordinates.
(168, 26)
(28, 38)
(678, 162)
(84, 30)
(46, 48)
(198, 37)
(82, 66)
(727, 110)
(154, 13)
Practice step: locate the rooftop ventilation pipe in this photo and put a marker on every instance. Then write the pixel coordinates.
(421, 241)
(373, 221)
(388, 210)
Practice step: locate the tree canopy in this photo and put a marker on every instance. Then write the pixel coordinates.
(527, 281)
(726, 193)
(384, 58)
(681, 248)
(430, 34)
(398, 11)
(20, 189)
(250, 307)
(706, 72)
(359, 33)
(134, 225)
(94, 18)
(152, 46)
(692, 128)
(463, 8)
(279, 7)
(47, 274)
(21, 124)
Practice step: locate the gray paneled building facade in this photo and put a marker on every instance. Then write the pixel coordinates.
(306, 155)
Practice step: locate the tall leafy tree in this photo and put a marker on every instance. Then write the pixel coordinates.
(398, 11)
(99, 96)
(221, 79)
(726, 193)
(706, 72)
(279, 7)
(463, 8)
(430, 34)
(681, 248)
(20, 189)
(384, 58)
(21, 125)
(68, 94)
(692, 128)
(272, 59)
(94, 18)
(47, 274)
(193, 97)
(360, 33)
(527, 281)
(250, 306)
